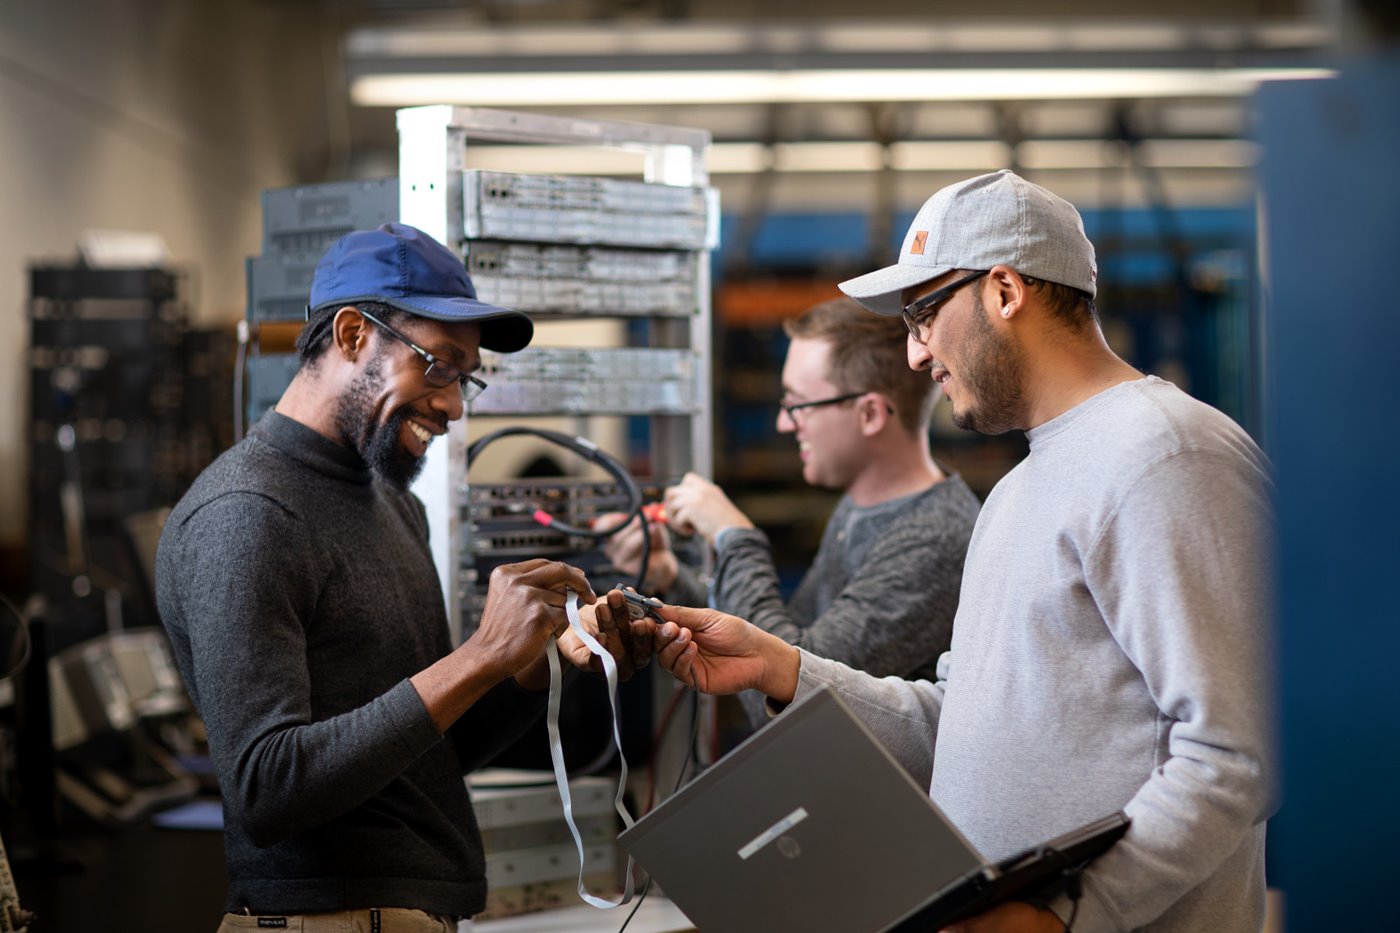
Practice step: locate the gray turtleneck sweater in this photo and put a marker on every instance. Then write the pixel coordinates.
(299, 594)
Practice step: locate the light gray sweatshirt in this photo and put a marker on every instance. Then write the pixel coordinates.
(1111, 651)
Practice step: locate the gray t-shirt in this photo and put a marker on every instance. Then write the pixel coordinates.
(1111, 650)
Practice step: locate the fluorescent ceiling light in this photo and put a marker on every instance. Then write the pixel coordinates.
(972, 156)
(565, 89)
(926, 36)
(1052, 154)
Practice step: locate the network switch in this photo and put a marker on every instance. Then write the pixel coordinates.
(583, 280)
(557, 380)
(581, 209)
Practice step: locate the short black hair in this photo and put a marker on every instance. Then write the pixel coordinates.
(1072, 306)
(315, 337)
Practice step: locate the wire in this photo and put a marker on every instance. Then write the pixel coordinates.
(685, 766)
(1075, 888)
(635, 907)
(589, 451)
(646, 550)
(656, 740)
(594, 454)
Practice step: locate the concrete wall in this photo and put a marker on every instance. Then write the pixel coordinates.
(159, 115)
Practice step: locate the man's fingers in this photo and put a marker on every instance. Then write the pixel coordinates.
(686, 617)
(640, 641)
(674, 498)
(669, 656)
(609, 626)
(625, 553)
(671, 643)
(659, 539)
(557, 576)
(680, 661)
(546, 575)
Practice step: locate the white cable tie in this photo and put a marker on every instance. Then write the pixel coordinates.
(556, 750)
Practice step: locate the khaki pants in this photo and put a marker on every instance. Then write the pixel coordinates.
(370, 920)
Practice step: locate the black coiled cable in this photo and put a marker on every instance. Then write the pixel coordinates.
(594, 454)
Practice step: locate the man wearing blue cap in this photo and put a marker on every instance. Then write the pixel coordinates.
(1111, 648)
(307, 617)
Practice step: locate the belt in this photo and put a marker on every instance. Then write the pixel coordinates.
(365, 920)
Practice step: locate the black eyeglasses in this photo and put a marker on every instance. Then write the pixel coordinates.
(439, 374)
(918, 313)
(793, 409)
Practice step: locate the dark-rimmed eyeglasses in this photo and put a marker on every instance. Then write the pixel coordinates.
(793, 408)
(439, 374)
(918, 314)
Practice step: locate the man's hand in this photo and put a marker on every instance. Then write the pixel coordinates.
(698, 506)
(719, 653)
(609, 622)
(624, 549)
(524, 609)
(1011, 917)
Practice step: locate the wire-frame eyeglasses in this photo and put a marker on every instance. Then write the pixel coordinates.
(439, 374)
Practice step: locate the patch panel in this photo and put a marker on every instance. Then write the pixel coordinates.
(560, 380)
(583, 280)
(580, 209)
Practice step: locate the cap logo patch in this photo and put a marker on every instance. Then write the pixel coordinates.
(916, 248)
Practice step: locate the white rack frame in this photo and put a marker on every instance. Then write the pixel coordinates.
(432, 158)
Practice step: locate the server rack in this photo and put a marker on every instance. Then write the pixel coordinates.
(569, 248)
(107, 439)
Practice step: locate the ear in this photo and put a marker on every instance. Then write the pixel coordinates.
(875, 412)
(1009, 290)
(350, 332)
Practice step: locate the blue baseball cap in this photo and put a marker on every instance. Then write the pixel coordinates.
(403, 267)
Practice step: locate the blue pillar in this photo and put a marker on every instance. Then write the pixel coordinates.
(1330, 196)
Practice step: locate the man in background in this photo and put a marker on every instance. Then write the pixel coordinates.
(882, 591)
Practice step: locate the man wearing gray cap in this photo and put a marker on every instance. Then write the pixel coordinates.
(1111, 648)
(307, 617)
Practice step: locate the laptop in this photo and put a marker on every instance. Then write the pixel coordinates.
(810, 824)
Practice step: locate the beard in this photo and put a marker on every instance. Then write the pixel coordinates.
(377, 443)
(991, 377)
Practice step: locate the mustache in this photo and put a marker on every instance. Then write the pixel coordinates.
(404, 412)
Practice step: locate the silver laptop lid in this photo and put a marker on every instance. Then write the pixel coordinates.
(808, 825)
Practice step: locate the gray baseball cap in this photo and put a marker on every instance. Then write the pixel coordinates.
(975, 224)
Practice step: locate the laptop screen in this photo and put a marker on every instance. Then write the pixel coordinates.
(810, 824)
